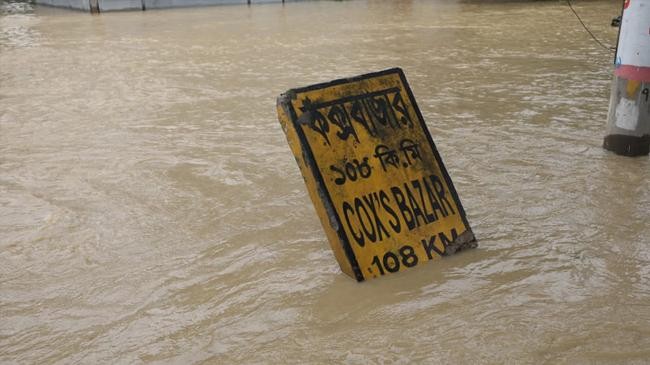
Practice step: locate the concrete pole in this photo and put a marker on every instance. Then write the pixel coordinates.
(628, 122)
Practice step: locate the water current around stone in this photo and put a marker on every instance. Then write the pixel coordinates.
(151, 210)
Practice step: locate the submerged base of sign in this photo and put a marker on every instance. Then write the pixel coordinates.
(377, 181)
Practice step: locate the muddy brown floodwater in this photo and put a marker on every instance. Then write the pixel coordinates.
(152, 212)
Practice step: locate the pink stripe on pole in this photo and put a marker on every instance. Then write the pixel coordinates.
(630, 72)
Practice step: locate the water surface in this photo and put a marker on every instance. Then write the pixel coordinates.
(152, 212)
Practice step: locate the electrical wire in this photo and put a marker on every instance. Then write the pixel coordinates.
(610, 49)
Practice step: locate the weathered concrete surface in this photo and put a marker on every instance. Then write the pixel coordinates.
(117, 5)
(113, 5)
(69, 4)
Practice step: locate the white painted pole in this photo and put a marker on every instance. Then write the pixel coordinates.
(628, 122)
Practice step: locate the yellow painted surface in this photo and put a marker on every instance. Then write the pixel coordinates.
(375, 178)
(312, 188)
(632, 88)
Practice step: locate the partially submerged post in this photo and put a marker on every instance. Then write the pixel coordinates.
(628, 125)
(94, 6)
(383, 195)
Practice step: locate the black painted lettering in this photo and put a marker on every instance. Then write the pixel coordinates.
(394, 222)
(341, 179)
(445, 240)
(364, 168)
(430, 246)
(440, 193)
(370, 202)
(401, 203)
(435, 205)
(347, 209)
(351, 171)
(430, 216)
(366, 224)
(415, 207)
(376, 262)
(409, 258)
(391, 262)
